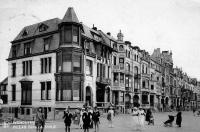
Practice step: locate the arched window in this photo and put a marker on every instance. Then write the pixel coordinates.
(121, 48)
(136, 70)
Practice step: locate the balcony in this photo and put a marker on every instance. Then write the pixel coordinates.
(136, 90)
(137, 76)
(146, 75)
(128, 89)
(88, 53)
(103, 80)
(3, 93)
(129, 72)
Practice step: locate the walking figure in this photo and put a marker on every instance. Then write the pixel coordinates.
(67, 119)
(95, 118)
(110, 116)
(86, 120)
(179, 118)
(39, 121)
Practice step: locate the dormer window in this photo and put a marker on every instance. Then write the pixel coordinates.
(70, 34)
(75, 34)
(43, 27)
(25, 33)
(27, 48)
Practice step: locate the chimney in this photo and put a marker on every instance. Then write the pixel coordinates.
(108, 33)
(95, 28)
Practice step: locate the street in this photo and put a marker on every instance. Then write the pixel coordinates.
(122, 123)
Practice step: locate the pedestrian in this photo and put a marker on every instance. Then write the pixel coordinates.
(91, 111)
(86, 120)
(179, 118)
(194, 110)
(95, 118)
(67, 119)
(110, 116)
(148, 116)
(141, 118)
(81, 118)
(39, 120)
(135, 115)
(77, 116)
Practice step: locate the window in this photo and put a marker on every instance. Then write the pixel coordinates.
(127, 66)
(152, 87)
(22, 111)
(75, 34)
(46, 90)
(43, 27)
(121, 78)
(67, 63)
(114, 60)
(121, 62)
(77, 64)
(121, 48)
(115, 77)
(98, 71)
(27, 48)
(142, 68)
(68, 34)
(45, 65)
(13, 92)
(47, 42)
(88, 67)
(13, 69)
(26, 93)
(143, 84)
(25, 33)
(27, 111)
(14, 51)
(27, 67)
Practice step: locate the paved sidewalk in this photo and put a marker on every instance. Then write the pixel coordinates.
(122, 123)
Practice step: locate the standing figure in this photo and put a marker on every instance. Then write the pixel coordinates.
(149, 117)
(86, 120)
(135, 115)
(141, 118)
(179, 118)
(194, 110)
(110, 116)
(95, 118)
(91, 111)
(67, 119)
(81, 118)
(39, 120)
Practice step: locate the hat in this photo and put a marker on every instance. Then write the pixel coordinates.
(135, 108)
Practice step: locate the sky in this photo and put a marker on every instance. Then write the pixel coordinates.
(166, 24)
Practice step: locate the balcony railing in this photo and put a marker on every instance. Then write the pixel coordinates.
(128, 89)
(103, 80)
(137, 76)
(136, 90)
(3, 93)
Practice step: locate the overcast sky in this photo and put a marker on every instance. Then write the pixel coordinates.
(166, 24)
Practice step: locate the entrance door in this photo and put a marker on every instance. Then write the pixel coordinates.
(45, 112)
(16, 112)
(88, 96)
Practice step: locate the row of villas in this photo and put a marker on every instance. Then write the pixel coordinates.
(62, 62)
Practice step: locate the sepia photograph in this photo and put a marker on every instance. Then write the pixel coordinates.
(99, 65)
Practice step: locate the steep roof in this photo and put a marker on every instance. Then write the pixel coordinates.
(70, 16)
(5, 81)
(33, 30)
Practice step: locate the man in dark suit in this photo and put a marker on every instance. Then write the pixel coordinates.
(67, 119)
(86, 120)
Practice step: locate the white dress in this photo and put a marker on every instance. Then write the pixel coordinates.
(135, 116)
(141, 118)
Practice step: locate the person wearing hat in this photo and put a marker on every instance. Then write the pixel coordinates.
(95, 118)
(110, 116)
(135, 115)
(67, 119)
(142, 115)
(39, 120)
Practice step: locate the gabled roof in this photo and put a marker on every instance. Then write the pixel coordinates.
(33, 30)
(70, 16)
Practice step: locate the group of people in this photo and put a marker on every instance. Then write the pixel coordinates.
(138, 118)
(86, 118)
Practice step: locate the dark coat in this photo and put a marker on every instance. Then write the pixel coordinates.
(95, 116)
(67, 119)
(179, 118)
(86, 119)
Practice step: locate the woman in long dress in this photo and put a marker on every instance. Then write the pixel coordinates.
(135, 115)
(110, 116)
(141, 118)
